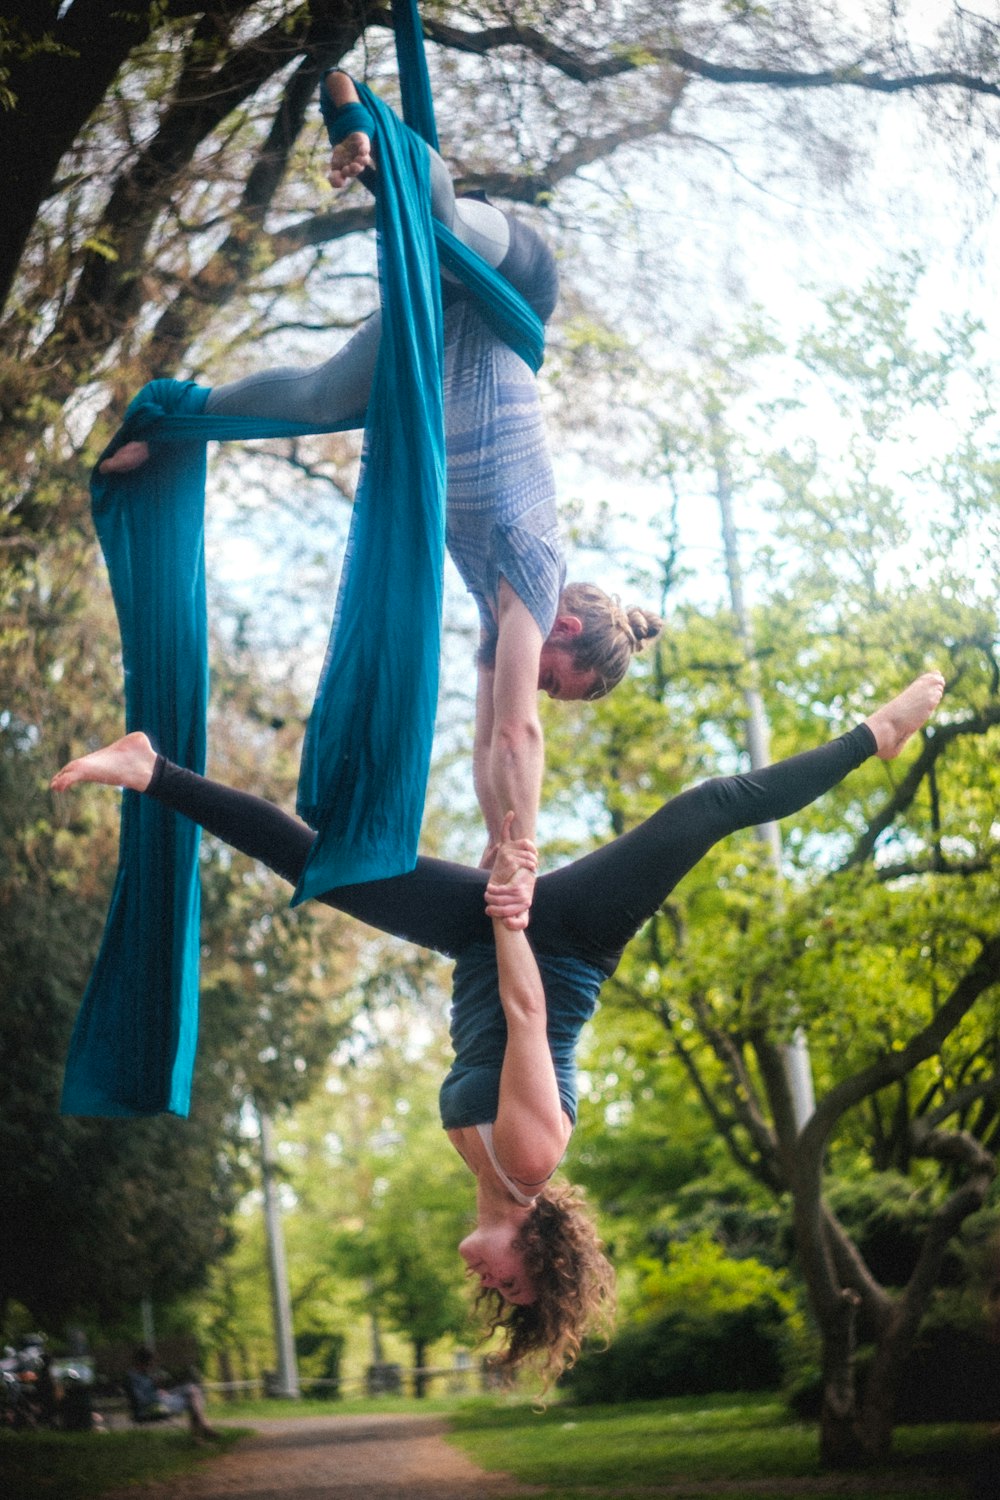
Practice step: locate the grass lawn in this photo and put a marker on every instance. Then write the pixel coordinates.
(709, 1447)
(81, 1465)
(733, 1446)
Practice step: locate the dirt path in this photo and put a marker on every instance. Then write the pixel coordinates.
(338, 1458)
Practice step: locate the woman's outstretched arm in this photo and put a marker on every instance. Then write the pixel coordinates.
(531, 1130)
(509, 750)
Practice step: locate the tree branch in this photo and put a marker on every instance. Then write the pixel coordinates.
(744, 1098)
(825, 78)
(517, 187)
(851, 1269)
(954, 1148)
(627, 60)
(958, 1102)
(725, 1122)
(57, 77)
(109, 292)
(937, 864)
(934, 745)
(983, 972)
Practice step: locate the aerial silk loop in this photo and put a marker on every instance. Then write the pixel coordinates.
(368, 742)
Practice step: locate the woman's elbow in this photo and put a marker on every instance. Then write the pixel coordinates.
(525, 1004)
(516, 738)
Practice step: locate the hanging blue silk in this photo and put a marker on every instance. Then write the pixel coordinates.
(414, 79)
(133, 1045)
(504, 309)
(367, 751)
(368, 743)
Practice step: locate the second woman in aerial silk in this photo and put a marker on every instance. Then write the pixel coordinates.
(502, 528)
(480, 445)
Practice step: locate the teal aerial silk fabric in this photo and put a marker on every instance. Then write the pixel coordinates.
(414, 79)
(499, 304)
(504, 309)
(368, 742)
(133, 1046)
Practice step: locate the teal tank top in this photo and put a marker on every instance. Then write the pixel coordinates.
(471, 1091)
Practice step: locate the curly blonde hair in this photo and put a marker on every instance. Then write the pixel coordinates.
(610, 637)
(575, 1282)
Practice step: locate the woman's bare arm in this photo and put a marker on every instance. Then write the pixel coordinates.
(531, 1128)
(509, 766)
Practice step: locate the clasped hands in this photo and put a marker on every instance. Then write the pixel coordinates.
(511, 885)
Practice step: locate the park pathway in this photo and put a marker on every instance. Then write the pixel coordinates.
(379, 1457)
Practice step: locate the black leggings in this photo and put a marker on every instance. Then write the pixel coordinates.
(589, 909)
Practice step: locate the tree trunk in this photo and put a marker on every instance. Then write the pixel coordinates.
(878, 1409)
(374, 1328)
(227, 1373)
(855, 1433)
(839, 1439)
(419, 1357)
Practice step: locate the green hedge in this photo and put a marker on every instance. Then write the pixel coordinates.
(686, 1354)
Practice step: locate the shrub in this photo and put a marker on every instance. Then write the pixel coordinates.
(686, 1353)
(696, 1274)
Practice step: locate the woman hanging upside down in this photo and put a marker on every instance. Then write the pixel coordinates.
(502, 528)
(509, 1100)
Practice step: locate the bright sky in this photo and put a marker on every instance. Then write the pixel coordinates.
(716, 233)
(729, 235)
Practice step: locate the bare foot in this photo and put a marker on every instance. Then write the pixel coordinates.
(349, 158)
(893, 724)
(128, 762)
(126, 458)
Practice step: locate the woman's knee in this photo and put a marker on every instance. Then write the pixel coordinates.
(442, 190)
(323, 395)
(478, 225)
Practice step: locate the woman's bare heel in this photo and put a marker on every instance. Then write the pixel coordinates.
(129, 762)
(894, 723)
(126, 458)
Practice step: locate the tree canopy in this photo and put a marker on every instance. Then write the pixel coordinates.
(882, 942)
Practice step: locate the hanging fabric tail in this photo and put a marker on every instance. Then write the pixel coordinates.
(133, 1046)
(414, 80)
(368, 743)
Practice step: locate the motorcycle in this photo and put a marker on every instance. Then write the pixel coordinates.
(27, 1392)
(38, 1391)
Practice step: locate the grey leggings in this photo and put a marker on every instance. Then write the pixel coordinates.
(338, 389)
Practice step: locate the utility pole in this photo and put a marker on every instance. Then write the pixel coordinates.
(287, 1382)
(798, 1067)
